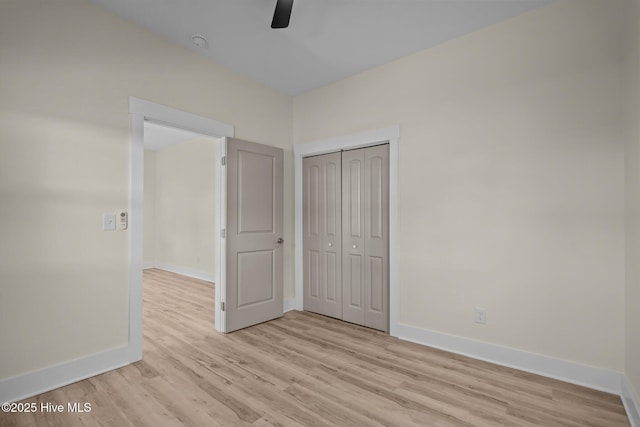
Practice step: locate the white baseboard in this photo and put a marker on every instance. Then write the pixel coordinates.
(631, 401)
(289, 304)
(296, 303)
(43, 380)
(185, 271)
(564, 370)
(148, 264)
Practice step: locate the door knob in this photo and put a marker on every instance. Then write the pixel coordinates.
(280, 240)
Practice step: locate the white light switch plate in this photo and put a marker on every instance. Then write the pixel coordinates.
(109, 222)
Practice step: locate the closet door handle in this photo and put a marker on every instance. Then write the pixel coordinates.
(280, 240)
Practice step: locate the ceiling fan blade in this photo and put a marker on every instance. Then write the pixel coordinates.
(282, 14)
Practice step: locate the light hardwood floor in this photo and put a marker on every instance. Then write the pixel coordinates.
(305, 370)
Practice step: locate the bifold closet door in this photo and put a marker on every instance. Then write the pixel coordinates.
(322, 230)
(346, 235)
(365, 236)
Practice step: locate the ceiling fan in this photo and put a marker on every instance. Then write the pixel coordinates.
(282, 14)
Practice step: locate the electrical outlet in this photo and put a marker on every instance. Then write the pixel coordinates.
(480, 315)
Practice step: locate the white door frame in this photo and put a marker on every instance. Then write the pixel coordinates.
(349, 142)
(139, 111)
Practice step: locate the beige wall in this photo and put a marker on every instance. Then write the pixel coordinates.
(67, 69)
(185, 205)
(632, 195)
(510, 179)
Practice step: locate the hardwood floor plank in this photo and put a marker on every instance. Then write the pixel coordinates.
(272, 397)
(274, 420)
(403, 402)
(333, 412)
(305, 369)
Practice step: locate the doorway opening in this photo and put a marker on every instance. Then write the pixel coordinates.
(179, 201)
(178, 230)
(142, 111)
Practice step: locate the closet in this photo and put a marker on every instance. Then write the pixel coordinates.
(346, 235)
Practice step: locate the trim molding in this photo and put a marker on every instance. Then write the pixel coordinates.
(289, 305)
(630, 401)
(42, 380)
(173, 117)
(185, 271)
(560, 369)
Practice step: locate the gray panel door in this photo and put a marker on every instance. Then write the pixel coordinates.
(353, 274)
(346, 235)
(365, 226)
(376, 237)
(254, 253)
(322, 232)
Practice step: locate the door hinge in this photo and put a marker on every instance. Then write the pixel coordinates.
(223, 233)
(224, 160)
(222, 305)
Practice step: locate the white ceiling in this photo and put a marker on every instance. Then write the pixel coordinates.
(326, 41)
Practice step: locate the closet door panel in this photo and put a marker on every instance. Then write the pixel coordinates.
(333, 280)
(353, 278)
(376, 237)
(332, 237)
(333, 190)
(312, 269)
(355, 289)
(331, 225)
(312, 239)
(322, 230)
(354, 201)
(376, 292)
